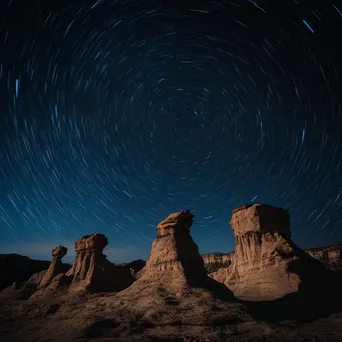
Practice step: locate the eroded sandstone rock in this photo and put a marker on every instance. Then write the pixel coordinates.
(214, 261)
(56, 266)
(91, 270)
(330, 256)
(174, 256)
(266, 264)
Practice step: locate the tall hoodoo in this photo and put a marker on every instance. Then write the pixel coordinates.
(55, 267)
(267, 264)
(175, 263)
(174, 254)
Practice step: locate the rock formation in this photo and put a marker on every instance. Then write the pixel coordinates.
(47, 282)
(214, 261)
(55, 267)
(267, 265)
(174, 275)
(91, 270)
(330, 256)
(174, 256)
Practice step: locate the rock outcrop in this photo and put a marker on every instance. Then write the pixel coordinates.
(174, 257)
(48, 281)
(91, 270)
(330, 256)
(214, 261)
(56, 266)
(267, 265)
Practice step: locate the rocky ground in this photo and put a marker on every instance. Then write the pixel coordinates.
(104, 317)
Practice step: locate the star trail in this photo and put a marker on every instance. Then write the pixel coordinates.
(114, 114)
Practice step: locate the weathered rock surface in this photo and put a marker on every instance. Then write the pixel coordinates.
(267, 265)
(55, 267)
(47, 281)
(214, 261)
(330, 256)
(18, 268)
(174, 258)
(91, 270)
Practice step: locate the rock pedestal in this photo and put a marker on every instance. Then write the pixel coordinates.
(55, 267)
(91, 270)
(330, 256)
(267, 265)
(174, 257)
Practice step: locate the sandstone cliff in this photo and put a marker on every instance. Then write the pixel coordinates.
(330, 256)
(214, 261)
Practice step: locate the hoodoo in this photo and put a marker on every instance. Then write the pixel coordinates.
(174, 258)
(91, 270)
(267, 264)
(55, 267)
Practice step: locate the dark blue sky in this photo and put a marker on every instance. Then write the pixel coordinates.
(114, 117)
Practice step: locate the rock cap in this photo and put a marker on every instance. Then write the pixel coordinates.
(176, 222)
(91, 243)
(260, 217)
(59, 251)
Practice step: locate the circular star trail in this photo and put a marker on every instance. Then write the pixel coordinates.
(116, 113)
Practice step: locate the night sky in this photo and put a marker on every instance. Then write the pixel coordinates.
(115, 114)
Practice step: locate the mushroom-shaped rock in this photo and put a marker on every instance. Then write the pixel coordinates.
(94, 243)
(91, 270)
(267, 264)
(174, 276)
(55, 267)
(174, 254)
(59, 252)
